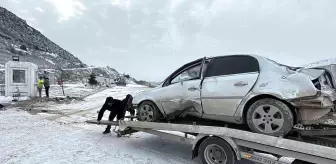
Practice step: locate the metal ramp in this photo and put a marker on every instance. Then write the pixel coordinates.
(243, 143)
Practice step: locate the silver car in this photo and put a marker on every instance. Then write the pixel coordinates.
(270, 98)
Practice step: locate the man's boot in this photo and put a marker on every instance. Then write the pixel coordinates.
(107, 130)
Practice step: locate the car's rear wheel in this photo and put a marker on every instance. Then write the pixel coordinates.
(270, 116)
(148, 112)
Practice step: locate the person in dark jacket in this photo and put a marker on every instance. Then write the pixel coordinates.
(128, 105)
(46, 83)
(117, 108)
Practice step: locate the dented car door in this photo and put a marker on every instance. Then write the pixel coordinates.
(183, 91)
(227, 81)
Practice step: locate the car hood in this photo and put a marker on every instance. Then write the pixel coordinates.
(148, 90)
(143, 95)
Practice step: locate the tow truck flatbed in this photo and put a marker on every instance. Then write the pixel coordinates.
(240, 144)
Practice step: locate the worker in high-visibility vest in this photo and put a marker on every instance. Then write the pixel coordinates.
(40, 83)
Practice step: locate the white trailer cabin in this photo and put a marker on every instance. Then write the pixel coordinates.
(20, 79)
(104, 80)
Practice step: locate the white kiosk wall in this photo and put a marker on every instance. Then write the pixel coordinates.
(20, 77)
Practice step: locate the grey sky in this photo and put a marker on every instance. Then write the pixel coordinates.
(149, 39)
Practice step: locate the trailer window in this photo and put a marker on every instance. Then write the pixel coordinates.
(19, 76)
(229, 65)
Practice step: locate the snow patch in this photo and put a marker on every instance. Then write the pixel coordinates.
(136, 86)
(53, 55)
(70, 69)
(128, 81)
(48, 60)
(110, 71)
(8, 99)
(20, 50)
(50, 54)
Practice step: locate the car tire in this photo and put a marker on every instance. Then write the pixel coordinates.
(270, 116)
(149, 112)
(215, 150)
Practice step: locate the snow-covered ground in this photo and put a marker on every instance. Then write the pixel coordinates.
(64, 137)
(82, 110)
(8, 99)
(72, 90)
(30, 139)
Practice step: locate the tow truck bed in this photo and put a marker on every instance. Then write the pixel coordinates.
(243, 144)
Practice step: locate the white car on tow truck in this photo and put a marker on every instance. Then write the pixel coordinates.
(268, 97)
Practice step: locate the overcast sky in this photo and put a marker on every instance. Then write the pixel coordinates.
(149, 39)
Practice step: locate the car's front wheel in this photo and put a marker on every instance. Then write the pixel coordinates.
(149, 112)
(270, 116)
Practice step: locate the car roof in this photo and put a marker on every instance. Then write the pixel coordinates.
(219, 56)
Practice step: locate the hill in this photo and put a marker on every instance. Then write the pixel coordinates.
(17, 38)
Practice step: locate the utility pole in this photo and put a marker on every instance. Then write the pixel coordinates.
(62, 82)
(62, 72)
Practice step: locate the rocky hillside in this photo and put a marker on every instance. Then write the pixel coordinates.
(18, 38)
(75, 75)
(81, 75)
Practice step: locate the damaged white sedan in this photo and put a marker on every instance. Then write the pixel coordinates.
(268, 97)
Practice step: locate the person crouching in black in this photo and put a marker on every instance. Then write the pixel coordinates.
(117, 108)
(128, 105)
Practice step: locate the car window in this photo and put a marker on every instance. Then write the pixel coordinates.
(189, 74)
(205, 67)
(232, 65)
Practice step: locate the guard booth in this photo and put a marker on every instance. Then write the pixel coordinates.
(20, 78)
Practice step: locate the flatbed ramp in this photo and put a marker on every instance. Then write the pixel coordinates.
(241, 144)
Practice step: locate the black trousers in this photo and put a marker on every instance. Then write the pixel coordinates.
(47, 91)
(120, 115)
